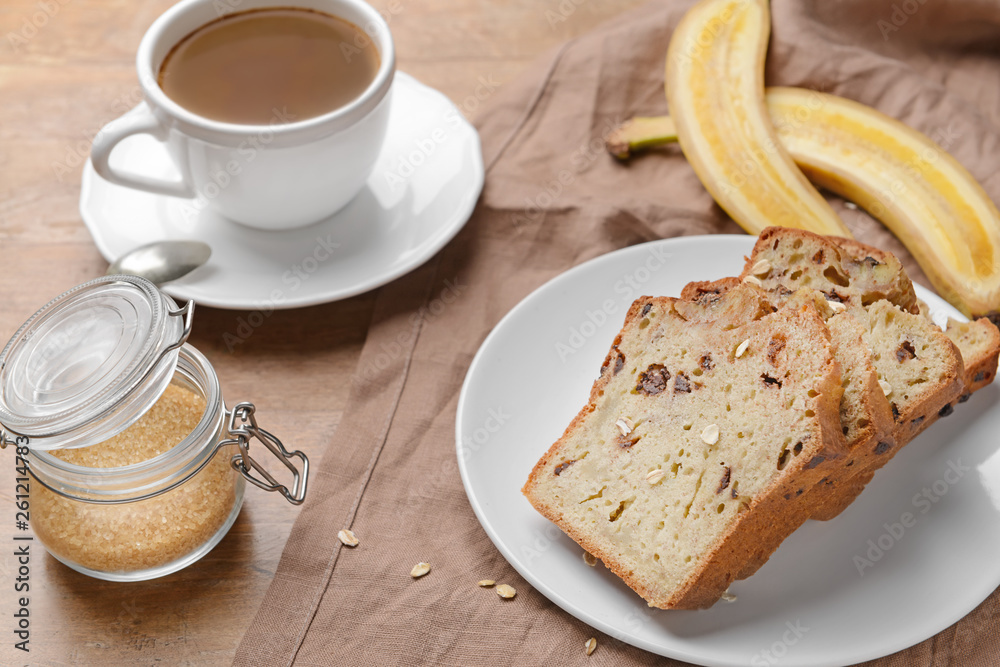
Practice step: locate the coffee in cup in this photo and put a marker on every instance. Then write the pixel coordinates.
(279, 149)
(242, 67)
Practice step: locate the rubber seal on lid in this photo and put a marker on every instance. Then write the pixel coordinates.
(90, 362)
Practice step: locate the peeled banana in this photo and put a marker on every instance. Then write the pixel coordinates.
(901, 177)
(715, 89)
(905, 180)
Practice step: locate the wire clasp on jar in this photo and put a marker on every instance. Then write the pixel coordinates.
(11, 439)
(243, 427)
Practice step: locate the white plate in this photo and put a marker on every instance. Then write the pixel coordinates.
(808, 605)
(420, 194)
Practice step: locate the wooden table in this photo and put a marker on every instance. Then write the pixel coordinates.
(66, 69)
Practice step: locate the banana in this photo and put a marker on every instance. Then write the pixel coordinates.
(902, 178)
(715, 89)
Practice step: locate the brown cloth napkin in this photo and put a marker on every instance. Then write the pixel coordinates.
(552, 200)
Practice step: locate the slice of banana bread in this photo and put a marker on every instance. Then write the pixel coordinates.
(919, 368)
(979, 343)
(865, 415)
(873, 286)
(679, 472)
(868, 283)
(786, 259)
(978, 340)
(921, 372)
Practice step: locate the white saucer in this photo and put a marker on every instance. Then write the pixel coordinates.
(836, 593)
(420, 194)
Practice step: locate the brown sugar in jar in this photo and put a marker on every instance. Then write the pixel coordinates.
(148, 534)
(142, 538)
(135, 467)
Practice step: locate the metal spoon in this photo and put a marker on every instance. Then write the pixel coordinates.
(162, 261)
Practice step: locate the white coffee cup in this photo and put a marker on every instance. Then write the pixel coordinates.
(278, 176)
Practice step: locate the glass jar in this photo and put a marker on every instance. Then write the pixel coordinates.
(137, 469)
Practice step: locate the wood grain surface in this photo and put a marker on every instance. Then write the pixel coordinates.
(66, 69)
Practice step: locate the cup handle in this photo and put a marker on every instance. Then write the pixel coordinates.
(138, 121)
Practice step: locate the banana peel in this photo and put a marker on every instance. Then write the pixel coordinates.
(715, 89)
(639, 133)
(900, 176)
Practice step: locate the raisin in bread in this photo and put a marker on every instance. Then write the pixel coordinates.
(679, 472)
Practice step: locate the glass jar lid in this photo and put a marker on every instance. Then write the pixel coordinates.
(90, 362)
